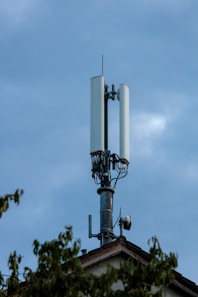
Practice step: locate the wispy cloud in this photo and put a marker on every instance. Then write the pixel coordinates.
(16, 11)
(149, 125)
(146, 128)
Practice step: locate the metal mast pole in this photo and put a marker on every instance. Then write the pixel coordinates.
(102, 159)
(105, 191)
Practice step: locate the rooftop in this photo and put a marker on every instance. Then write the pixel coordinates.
(126, 249)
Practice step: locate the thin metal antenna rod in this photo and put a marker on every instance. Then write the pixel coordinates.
(102, 63)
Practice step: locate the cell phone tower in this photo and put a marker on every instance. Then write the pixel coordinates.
(107, 167)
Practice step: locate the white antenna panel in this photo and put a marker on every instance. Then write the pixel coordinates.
(124, 122)
(97, 114)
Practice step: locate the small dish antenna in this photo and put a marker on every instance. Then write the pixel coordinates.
(125, 223)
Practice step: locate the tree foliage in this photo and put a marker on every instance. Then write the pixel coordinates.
(59, 272)
(5, 200)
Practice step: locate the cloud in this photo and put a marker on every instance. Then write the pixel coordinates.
(146, 127)
(149, 125)
(16, 12)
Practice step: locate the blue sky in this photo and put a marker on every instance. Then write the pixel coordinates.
(49, 50)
